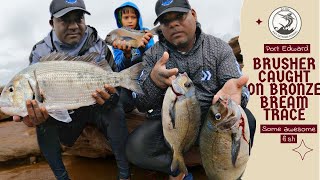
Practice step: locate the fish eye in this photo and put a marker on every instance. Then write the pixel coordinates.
(217, 116)
(188, 84)
(11, 89)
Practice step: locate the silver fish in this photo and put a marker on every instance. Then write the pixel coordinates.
(181, 116)
(60, 83)
(225, 141)
(131, 36)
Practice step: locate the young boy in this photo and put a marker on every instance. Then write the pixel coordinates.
(128, 15)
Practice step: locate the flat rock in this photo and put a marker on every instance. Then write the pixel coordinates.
(19, 141)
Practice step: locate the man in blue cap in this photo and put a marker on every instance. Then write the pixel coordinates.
(72, 36)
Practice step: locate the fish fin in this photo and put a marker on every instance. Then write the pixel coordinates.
(130, 78)
(104, 65)
(126, 28)
(178, 163)
(155, 30)
(235, 148)
(131, 30)
(33, 83)
(60, 115)
(56, 56)
(127, 38)
(172, 113)
(250, 146)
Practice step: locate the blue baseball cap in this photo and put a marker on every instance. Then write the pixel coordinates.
(59, 8)
(164, 6)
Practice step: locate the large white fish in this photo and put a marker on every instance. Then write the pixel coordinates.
(181, 116)
(60, 83)
(225, 141)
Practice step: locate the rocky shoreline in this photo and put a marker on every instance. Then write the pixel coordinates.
(20, 156)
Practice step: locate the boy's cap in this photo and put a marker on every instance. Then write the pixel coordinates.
(164, 6)
(59, 8)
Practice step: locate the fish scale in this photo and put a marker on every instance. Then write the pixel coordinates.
(219, 139)
(72, 87)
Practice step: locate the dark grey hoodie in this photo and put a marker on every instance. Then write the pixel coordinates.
(209, 64)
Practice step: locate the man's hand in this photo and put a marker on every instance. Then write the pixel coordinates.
(232, 88)
(36, 114)
(109, 94)
(162, 76)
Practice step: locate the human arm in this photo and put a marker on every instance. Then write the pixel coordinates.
(229, 77)
(232, 88)
(154, 80)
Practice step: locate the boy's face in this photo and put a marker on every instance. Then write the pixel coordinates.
(129, 19)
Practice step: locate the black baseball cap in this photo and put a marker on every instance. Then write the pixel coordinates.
(164, 6)
(59, 8)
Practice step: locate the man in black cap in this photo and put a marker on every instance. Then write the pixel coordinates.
(207, 60)
(71, 35)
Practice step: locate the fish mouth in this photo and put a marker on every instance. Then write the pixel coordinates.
(175, 92)
(108, 40)
(233, 115)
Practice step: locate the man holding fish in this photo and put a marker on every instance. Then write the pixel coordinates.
(72, 36)
(210, 72)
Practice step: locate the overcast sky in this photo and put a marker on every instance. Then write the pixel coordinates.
(24, 23)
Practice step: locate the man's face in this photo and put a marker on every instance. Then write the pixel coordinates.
(70, 28)
(179, 29)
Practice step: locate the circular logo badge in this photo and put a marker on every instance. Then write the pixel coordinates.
(166, 2)
(284, 23)
(71, 1)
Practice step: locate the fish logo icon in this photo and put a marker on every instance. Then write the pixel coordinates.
(284, 23)
(166, 2)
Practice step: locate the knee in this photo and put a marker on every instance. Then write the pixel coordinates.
(133, 149)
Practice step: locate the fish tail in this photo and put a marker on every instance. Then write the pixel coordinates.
(131, 78)
(178, 163)
(155, 30)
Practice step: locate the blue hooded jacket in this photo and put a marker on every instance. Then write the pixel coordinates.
(136, 54)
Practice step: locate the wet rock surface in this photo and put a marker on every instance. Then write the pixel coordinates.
(86, 169)
(17, 141)
(19, 148)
